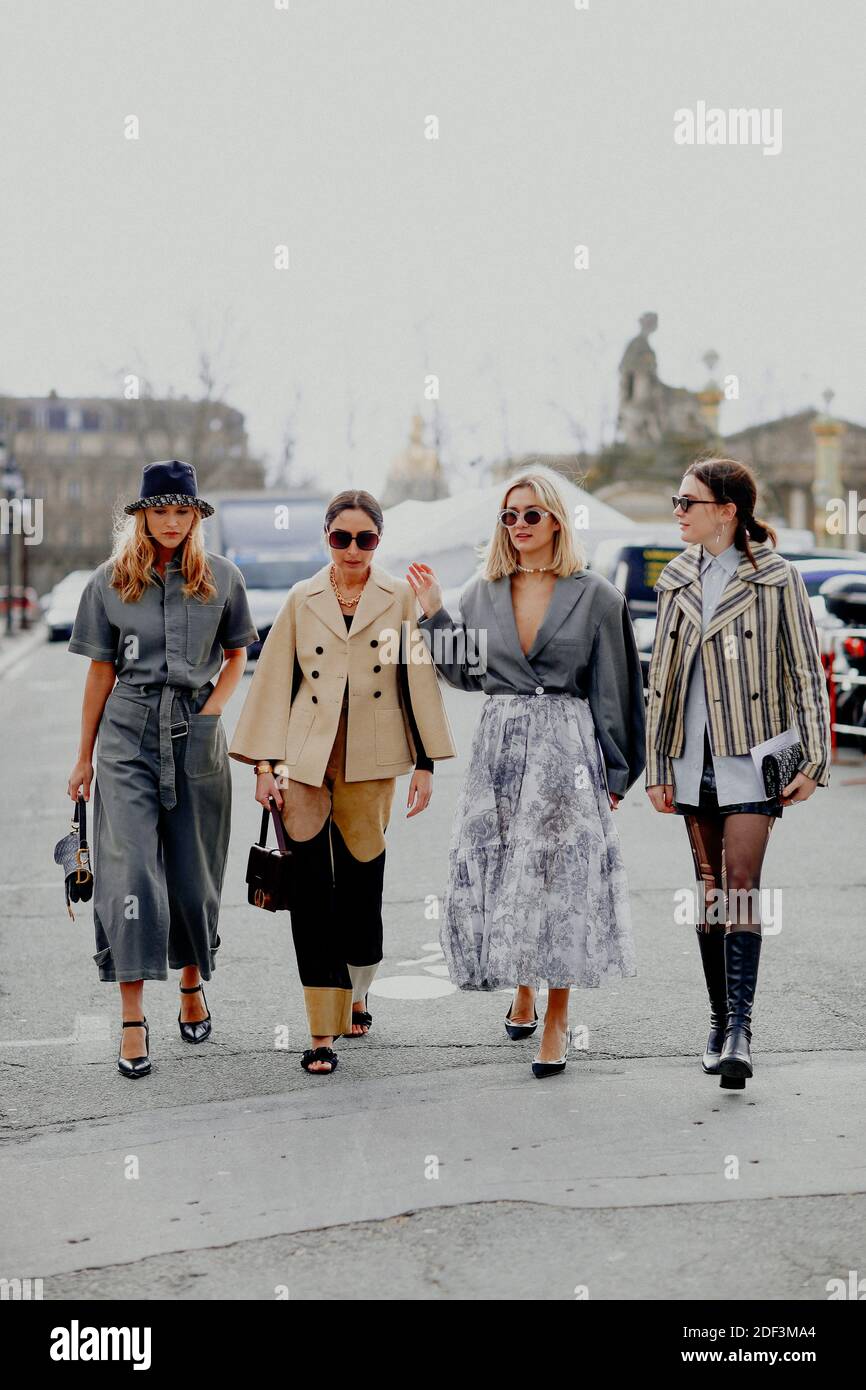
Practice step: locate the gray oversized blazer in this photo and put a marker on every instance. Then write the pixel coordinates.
(585, 646)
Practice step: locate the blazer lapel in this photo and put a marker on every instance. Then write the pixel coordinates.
(377, 596)
(736, 597)
(322, 601)
(740, 592)
(564, 600)
(500, 597)
(565, 595)
(683, 575)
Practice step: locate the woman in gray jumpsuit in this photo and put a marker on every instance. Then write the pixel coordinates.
(159, 620)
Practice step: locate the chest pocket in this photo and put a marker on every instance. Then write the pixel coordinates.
(202, 625)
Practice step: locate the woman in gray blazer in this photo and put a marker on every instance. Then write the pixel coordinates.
(537, 888)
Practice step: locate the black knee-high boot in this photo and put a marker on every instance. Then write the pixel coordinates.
(712, 947)
(742, 954)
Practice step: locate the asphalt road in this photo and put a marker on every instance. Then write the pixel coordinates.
(431, 1165)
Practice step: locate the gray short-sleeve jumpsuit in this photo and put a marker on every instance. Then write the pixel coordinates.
(162, 805)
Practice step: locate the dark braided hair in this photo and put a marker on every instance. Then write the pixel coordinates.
(730, 481)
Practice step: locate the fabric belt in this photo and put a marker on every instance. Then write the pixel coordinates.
(168, 731)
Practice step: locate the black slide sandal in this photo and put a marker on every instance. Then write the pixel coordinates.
(321, 1054)
(364, 1018)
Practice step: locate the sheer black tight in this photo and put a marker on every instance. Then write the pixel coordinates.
(728, 852)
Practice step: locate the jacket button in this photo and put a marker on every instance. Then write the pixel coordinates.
(377, 669)
(376, 694)
(315, 699)
(319, 651)
(748, 634)
(756, 695)
(673, 636)
(659, 694)
(315, 675)
(373, 642)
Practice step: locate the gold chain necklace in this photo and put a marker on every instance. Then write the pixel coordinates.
(346, 602)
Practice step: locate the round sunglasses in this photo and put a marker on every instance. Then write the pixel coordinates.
(531, 516)
(341, 540)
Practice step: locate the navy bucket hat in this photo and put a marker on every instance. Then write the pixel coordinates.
(169, 484)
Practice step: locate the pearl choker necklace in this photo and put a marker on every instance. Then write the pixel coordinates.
(541, 569)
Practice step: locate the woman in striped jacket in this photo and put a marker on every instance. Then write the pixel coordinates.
(735, 662)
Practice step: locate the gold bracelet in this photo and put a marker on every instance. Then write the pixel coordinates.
(262, 767)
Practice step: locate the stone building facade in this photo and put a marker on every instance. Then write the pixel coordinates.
(83, 458)
(803, 461)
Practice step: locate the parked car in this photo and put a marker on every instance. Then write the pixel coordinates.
(845, 599)
(816, 571)
(60, 604)
(633, 567)
(274, 538)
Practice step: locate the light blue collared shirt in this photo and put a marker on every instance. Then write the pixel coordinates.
(737, 778)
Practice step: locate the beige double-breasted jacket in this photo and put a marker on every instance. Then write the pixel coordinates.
(310, 627)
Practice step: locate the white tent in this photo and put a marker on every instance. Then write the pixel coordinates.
(445, 533)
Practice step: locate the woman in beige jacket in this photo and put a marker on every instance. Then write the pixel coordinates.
(344, 700)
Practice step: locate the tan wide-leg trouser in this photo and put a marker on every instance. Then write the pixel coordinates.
(338, 834)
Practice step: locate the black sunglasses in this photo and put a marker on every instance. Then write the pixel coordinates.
(531, 516)
(686, 502)
(341, 540)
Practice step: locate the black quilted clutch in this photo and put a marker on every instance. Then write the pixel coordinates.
(778, 769)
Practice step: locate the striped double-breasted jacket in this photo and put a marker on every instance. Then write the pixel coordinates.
(761, 665)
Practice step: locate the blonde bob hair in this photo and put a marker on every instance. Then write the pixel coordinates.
(501, 557)
(133, 558)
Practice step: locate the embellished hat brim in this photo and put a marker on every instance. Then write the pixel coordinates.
(171, 499)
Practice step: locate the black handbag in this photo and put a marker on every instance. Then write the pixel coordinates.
(270, 871)
(72, 853)
(778, 769)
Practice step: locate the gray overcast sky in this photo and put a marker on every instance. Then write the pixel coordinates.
(306, 127)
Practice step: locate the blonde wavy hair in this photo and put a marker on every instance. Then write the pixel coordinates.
(133, 557)
(501, 557)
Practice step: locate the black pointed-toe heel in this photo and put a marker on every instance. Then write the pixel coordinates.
(516, 1031)
(542, 1069)
(199, 1031)
(133, 1067)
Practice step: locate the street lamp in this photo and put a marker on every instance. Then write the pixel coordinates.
(11, 483)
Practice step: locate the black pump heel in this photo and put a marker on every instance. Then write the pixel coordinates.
(133, 1067)
(516, 1031)
(201, 1030)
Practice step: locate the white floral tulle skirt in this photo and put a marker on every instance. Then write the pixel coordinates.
(537, 889)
